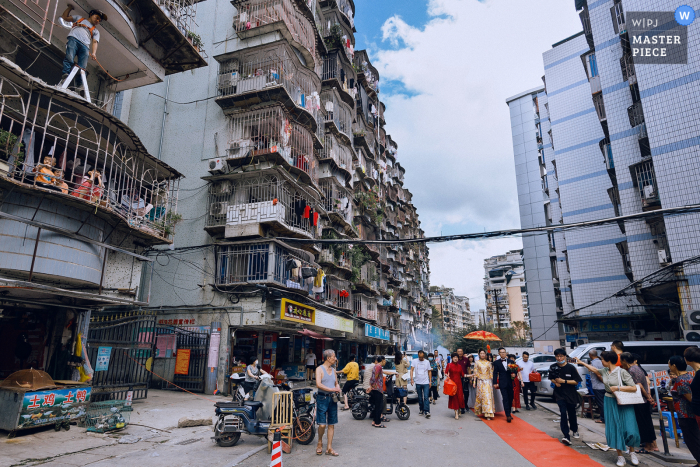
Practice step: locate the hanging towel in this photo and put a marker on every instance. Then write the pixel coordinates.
(307, 210)
(315, 223)
(318, 281)
(308, 272)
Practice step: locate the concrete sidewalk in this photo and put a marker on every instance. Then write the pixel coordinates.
(154, 428)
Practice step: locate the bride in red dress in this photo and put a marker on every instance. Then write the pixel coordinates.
(454, 371)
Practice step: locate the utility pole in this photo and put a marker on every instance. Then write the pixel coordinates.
(498, 314)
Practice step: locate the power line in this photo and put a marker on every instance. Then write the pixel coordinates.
(508, 232)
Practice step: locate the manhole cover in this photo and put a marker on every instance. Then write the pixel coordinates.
(190, 441)
(440, 432)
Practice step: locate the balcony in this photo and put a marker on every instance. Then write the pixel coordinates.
(382, 109)
(645, 178)
(628, 72)
(338, 293)
(270, 74)
(58, 147)
(336, 257)
(139, 31)
(367, 75)
(257, 17)
(338, 153)
(256, 262)
(635, 114)
(269, 135)
(364, 138)
(338, 204)
(364, 307)
(339, 73)
(337, 33)
(338, 116)
(253, 206)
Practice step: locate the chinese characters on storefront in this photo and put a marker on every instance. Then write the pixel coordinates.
(297, 312)
(43, 407)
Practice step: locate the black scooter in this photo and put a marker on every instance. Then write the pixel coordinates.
(361, 404)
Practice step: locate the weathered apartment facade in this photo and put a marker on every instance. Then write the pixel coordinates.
(81, 198)
(283, 138)
(453, 311)
(505, 290)
(608, 137)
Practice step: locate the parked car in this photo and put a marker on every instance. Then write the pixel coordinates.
(412, 394)
(654, 357)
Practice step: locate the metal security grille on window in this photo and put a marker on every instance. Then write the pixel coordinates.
(258, 263)
(646, 184)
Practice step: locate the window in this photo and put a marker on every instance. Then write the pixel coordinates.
(656, 354)
(592, 66)
(544, 359)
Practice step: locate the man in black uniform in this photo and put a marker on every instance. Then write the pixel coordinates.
(565, 378)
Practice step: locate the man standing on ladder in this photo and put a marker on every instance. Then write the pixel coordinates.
(82, 40)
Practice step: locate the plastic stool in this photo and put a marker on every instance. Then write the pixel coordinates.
(668, 428)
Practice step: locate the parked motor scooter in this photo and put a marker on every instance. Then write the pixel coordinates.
(254, 417)
(237, 389)
(361, 405)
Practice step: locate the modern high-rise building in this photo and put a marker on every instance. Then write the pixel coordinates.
(505, 289)
(606, 137)
(283, 139)
(453, 311)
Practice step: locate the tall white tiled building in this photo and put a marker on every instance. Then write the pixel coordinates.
(606, 137)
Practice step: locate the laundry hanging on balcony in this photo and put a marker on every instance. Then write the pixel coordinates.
(319, 281)
(294, 267)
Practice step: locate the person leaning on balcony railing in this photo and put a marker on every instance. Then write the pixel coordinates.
(82, 39)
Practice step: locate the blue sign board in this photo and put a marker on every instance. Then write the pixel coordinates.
(571, 338)
(374, 331)
(103, 354)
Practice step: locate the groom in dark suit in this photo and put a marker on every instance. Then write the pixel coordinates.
(503, 381)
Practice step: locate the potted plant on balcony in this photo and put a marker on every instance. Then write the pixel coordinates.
(195, 40)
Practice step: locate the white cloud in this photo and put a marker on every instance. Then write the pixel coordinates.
(453, 127)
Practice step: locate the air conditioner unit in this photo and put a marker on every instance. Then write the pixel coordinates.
(692, 336)
(663, 258)
(649, 191)
(693, 317)
(638, 333)
(218, 209)
(218, 166)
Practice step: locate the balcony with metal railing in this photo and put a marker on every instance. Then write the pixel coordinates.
(269, 74)
(628, 72)
(339, 154)
(257, 17)
(364, 306)
(336, 257)
(339, 73)
(268, 134)
(261, 262)
(337, 33)
(338, 293)
(145, 39)
(243, 206)
(635, 114)
(367, 74)
(61, 150)
(338, 115)
(364, 137)
(337, 201)
(645, 180)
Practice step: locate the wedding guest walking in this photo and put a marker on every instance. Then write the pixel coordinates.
(642, 412)
(514, 370)
(682, 397)
(455, 372)
(483, 382)
(621, 431)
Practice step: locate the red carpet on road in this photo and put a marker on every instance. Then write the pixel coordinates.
(537, 446)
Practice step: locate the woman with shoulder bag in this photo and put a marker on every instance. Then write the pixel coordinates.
(647, 433)
(621, 393)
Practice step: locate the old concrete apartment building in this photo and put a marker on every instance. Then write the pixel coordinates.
(454, 312)
(282, 138)
(608, 136)
(82, 199)
(505, 290)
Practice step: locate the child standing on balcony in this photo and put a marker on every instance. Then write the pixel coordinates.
(82, 39)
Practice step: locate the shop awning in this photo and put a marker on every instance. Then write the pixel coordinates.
(315, 335)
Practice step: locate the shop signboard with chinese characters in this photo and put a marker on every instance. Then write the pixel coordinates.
(605, 325)
(49, 407)
(297, 312)
(377, 333)
(329, 321)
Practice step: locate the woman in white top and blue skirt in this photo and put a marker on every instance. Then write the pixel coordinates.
(621, 429)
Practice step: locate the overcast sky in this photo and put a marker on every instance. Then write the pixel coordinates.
(446, 68)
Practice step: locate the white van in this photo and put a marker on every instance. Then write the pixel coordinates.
(654, 356)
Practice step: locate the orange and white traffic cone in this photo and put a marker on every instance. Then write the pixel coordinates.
(276, 459)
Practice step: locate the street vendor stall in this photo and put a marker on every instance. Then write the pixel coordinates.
(31, 398)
